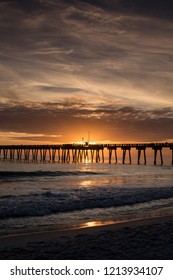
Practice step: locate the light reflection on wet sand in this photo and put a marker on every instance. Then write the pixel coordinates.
(70, 229)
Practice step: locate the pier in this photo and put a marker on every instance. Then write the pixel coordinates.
(78, 153)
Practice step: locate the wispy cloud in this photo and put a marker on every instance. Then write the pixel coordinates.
(87, 54)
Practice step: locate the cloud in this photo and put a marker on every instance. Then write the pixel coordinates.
(154, 8)
(18, 136)
(65, 118)
(78, 57)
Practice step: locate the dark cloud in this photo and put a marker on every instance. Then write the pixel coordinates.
(155, 8)
(58, 89)
(158, 8)
(26, 6)
(62, 117)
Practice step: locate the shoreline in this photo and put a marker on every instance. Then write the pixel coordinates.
(129, 220)
(93, 227)
(142, 238)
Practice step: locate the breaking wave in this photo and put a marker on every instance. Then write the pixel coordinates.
(10, 175)
(47, 203)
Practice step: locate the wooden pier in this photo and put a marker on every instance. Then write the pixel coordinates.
(78, 153)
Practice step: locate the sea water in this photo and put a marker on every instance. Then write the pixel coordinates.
(45, 194)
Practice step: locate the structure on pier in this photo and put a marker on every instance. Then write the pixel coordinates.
(86, 152)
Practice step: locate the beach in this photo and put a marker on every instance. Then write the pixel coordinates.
(147, 238)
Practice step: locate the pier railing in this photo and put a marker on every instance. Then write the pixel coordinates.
(76, 153)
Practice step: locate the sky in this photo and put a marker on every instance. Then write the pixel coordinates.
(69, 67)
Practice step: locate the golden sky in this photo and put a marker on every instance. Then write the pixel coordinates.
(69, 67)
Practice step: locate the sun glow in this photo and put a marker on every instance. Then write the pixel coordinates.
(85, 143)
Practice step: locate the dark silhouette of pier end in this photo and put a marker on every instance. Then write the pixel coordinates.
(76, 153)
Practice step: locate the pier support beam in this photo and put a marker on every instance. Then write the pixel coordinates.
(156, 149)
(54, 155)
(12, 154)
(26, 154)
(34, 154)
(50, 156)
(5, 152)
(97, 156)
(112, 148)
(126, 148)
(140, 149)
(63, 155)
(19, 154)
(103, 158)
(92, 155)
(68, 156)
(171, 148)
(86, 156)
(81, 155)
(110, 155)
(74, 155)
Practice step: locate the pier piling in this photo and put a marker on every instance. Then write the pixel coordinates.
(140, 149)
(171, 148)
(156, 149)
(126, 148)
(112, 148)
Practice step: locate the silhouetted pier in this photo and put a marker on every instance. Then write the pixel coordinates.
(77, 153)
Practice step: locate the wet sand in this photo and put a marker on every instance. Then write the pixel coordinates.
(146, 238)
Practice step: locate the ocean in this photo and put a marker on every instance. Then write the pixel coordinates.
(34, 194)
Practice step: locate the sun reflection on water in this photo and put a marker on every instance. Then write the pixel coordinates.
(96, 223)
(86, 183)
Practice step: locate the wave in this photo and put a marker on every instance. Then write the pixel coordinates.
(46, 203)
(8, 175)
